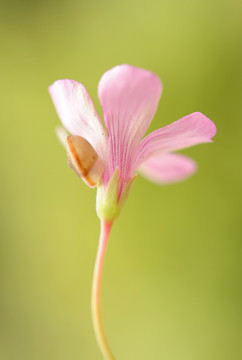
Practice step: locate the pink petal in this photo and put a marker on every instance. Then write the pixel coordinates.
(77, 112)
(129, 98)
(167, 168)
(192, 129)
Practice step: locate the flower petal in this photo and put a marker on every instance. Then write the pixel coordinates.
(77, 112)
(167, 168)
(192, 129)
(129, 97)
(62, 134)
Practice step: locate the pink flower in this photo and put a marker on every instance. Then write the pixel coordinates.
(129, 97)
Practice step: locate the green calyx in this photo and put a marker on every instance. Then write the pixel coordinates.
(108, 204)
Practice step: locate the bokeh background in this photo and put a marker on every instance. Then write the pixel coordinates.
(172, 278)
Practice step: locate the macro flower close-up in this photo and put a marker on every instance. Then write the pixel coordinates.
(129, 97)
(109, 160)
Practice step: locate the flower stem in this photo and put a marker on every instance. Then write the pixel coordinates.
(96, 290)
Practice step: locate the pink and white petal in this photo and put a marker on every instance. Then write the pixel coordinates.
(167, 168)
(129, 97)
(191, 130)
(77, 113)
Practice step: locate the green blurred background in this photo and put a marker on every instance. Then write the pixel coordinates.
(172, 278)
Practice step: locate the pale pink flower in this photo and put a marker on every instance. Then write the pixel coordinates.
(129, 97)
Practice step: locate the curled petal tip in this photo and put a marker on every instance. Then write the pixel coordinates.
(208, 124)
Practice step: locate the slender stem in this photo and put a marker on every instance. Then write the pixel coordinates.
(96, 290)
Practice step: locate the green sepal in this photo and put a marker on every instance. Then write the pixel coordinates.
(108, 204)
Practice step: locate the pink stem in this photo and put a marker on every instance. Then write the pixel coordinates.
(96, 290)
